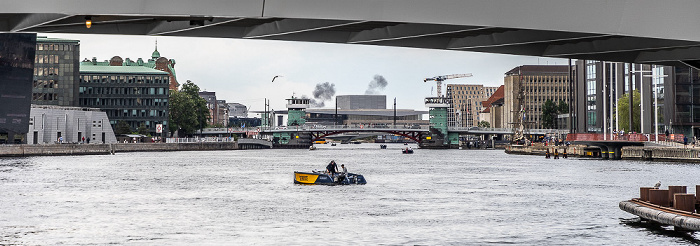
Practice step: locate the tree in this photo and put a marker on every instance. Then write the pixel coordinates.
(549, 114)
(142, 129)
(122, 128)
(484, 124)
(563, 107)
(623, 111)
(188, 111)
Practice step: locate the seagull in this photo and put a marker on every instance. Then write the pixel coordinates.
(657, 185)
(273, 78)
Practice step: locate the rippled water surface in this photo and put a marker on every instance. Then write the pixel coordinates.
(433, 197)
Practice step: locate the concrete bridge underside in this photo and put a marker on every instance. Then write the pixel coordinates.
(639, 31)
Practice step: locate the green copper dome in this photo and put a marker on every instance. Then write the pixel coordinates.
(155, 54)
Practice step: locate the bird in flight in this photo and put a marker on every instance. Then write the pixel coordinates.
(657, 185)
(273, 78)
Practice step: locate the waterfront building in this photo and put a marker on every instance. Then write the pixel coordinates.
(210, 98)
(54, 124)
(599, 85)
(493, 109)
(237, 110)
(528, 87)
(361, 101)
(465, 103)
(137, 95)
(218, 110)
(16, 75)
(56, 72)
(222, 113)
(681, 100)
(155, 62)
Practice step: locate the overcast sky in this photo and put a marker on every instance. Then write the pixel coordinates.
(241, 70)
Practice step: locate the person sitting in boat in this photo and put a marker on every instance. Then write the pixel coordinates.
(345, 170)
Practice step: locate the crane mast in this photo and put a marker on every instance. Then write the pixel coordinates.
(439, 79)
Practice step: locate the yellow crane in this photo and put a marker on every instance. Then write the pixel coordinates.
(439, 80)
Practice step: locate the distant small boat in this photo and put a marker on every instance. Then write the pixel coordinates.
(312, 147)
(407, 151)
(383, 146)
(405, 143)
(333, 144)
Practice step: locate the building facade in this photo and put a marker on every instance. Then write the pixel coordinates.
(237, 110)
(155, 62)
(16, 75)
(465, 103)
(493, 109)
(361, 101)
(528, 87)
(53, 124)
(56, 72)
(600, 85)
(137, 95)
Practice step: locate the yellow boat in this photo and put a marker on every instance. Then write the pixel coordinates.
(321, 178)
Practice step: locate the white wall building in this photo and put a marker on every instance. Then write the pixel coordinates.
(49, 123)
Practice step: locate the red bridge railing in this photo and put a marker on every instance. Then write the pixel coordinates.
(634, 137)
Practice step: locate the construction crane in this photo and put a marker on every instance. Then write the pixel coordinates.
(439, 80)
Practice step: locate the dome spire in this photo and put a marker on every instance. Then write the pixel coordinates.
(155, 54)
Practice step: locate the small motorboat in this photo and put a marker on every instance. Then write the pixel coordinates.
(407, 151)
(383, 146)
(405, 143)
(322, 178)
(333, 144)
(312, 147)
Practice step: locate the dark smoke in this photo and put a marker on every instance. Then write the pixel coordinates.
(322, 93)
(376, 85)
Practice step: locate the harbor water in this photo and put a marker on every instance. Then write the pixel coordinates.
(431, 197)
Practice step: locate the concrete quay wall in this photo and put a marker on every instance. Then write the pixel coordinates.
(682, 154)
(571, 150)
(15, 150)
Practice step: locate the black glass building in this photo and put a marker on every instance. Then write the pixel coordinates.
(16, 69)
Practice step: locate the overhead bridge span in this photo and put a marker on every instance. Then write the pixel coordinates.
(638, 31)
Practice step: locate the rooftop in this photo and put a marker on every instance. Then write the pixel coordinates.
(88, 68)
(539, 70)
(44, 39)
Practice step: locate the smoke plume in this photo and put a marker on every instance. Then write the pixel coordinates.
(322, 93)
(376, 85)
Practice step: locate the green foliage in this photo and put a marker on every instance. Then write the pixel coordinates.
(484, 124)
(188, 111)
(142, 129)
(623, 110)
(551, 110)
(563, 107)
(549, 114)
(122, 128)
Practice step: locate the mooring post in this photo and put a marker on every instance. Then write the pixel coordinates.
(644, 193)
(659, 197)
(685, 202)
(673, 189)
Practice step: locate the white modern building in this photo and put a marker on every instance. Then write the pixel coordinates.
(51, 124)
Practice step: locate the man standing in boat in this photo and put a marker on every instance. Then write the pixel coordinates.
(332, 168)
